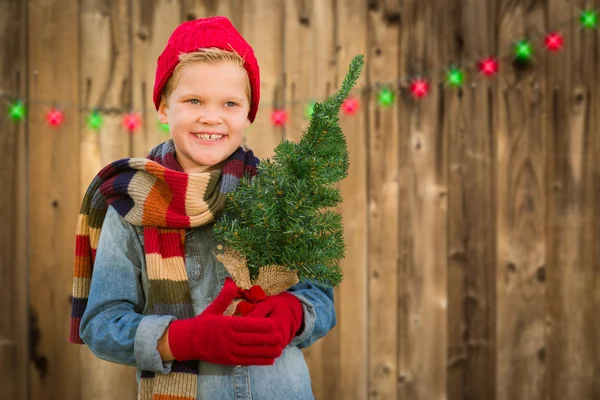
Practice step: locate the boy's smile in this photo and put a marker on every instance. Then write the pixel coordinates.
(207, 112)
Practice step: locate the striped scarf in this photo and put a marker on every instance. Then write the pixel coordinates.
(155, 193)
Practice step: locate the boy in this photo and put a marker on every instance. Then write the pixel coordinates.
(157, 293)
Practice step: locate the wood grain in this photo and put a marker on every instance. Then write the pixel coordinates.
(383, 218)
(13, 212)
(54, 167)
(422, 236)
(572, 327)
(352, 300)
(521, 200)
(471, 208)
(308, 52)
(262, 26)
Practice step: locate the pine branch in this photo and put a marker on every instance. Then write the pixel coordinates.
(280, 216)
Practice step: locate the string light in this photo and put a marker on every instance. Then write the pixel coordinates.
(164, 127)
(553, 41)
(350, 106)
(488, 66)
(523, 51)
(94, 120)
(589, 19)
(132, 122)
(54, 117)
(279, 117)
(419, 88)
(16, 111)
(385, 97)
(310, 109)
(455, 77)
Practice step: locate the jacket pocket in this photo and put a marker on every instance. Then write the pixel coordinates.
(193, 259)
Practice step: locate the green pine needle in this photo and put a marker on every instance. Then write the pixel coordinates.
(282, 215)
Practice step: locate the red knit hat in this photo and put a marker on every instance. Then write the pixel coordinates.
(203, 33)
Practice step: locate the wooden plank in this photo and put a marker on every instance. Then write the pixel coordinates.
(309, 64)
(521, 201)
(471, 212)
(298, 62)
(105, 84)
(352, 297)
(422, 243)
(13, 213)
(595, 127)
(193, 9)
(262, 26)
(383, 218)
(152, 24)
(572, 341)
(53, 164)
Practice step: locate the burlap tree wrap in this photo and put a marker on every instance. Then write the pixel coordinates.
(273, 279)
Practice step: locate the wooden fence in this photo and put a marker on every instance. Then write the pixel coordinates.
(471, 215)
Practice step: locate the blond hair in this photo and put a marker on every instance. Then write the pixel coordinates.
(210, 55)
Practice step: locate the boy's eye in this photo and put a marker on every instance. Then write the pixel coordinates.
(231, 104)
(194, 101)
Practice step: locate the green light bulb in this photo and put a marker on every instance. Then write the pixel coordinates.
(310, 109)
(523, 51)
(94, 120)
(455, 77)
(163, 127)
(385, 97)
(589, 19)
(16, 111)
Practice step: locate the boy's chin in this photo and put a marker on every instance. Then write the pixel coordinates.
(210, 164)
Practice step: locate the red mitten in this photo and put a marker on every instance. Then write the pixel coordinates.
(218, 339)
(285, 309)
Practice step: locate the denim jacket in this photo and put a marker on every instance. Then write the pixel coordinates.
(115, 328)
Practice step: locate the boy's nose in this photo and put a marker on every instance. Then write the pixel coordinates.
(210, 117)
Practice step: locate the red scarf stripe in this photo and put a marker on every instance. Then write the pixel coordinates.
(82, 245)
(176, 213)
(167, 244)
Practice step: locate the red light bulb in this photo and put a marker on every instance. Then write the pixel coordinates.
(554, 41)
(419, 88)
(350, 106)
(488, 66)
(279, 117)
(55, 117)
(132, 122)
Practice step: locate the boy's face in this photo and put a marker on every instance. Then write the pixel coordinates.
(207, 113)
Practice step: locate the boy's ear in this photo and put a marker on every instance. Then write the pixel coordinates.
(162, 111)
(248, 123)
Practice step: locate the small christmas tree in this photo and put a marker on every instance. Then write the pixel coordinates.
(282, 216)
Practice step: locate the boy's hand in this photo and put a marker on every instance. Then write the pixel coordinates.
(218, 339)
(285, 310)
